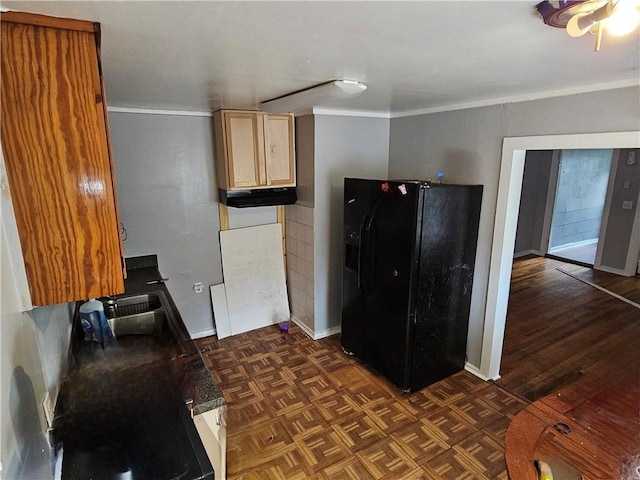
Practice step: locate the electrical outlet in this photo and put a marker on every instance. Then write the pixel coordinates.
(197, 287)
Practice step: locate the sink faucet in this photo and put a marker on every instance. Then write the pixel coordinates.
(110, 306)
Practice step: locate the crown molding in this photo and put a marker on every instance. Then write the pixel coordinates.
(350, 113)
(634, 82)
(157, 111)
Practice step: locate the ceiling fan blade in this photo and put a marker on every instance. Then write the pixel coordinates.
(580, 24)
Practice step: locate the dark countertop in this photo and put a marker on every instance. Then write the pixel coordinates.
(122, 408)
(198, 384)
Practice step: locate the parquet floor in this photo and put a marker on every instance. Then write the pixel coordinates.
(299, 408)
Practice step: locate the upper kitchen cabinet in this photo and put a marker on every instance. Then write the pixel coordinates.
(56, 148)
(254, 150)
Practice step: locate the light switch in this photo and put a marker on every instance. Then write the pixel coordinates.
(627, 205)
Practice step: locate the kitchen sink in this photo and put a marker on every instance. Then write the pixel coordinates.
(121, 408)
(146, 323)
(144, 315)
(128, 305)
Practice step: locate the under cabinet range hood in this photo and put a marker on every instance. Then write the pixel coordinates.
(259, 197)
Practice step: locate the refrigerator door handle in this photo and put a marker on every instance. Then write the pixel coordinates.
(362, 263)
(369, 249)
(370, 256)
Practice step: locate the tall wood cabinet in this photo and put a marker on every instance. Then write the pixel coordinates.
(56, 148)
(254, 150)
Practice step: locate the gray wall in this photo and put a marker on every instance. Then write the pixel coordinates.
(33, 347)
(344, 146)
(533, 200)
(305, 169)
(167, 192)
(620, 221)
(467, 146)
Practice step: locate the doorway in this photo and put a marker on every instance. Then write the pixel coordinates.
(581, 190)
(503, 241)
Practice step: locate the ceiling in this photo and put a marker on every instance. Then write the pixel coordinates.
(414, 56)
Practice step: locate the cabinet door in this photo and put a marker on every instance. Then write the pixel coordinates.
(279, 151)
(58, 165)
(245, 154)
(212, 429)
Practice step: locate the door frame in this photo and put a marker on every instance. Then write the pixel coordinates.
(514, 150)
(552, 190)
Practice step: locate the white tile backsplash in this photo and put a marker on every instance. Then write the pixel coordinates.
(299, 223)
(294, 230)
(292, 245)
(307, 234)
(303, 267)
(308, 252)
(308, 288)
(305, 216)
(292, 263)
(290, 212)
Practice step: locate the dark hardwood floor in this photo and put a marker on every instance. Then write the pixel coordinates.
(627, 287)
(590, 368)
(299, 408)
(558, 328)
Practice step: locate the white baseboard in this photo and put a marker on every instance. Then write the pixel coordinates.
(618, 271)
(327, 332)
(304, 328)
(581, 243)
(203, 333)
(528, 252)
(473, 370)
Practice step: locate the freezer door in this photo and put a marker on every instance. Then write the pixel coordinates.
(449, 237)
(358, 199)
(390, 240)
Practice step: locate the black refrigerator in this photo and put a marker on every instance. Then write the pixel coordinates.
(409, 256)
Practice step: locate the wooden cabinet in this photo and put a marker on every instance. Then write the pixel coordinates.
(56, 148)
(254, 150)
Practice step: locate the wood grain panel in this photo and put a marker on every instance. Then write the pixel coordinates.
(279, 151)
(55, 146)
(111, 166)
(243, 147)
(50, 22)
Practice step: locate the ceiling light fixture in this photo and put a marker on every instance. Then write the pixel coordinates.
(625, 18)
(618, 17)
(315, 96)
